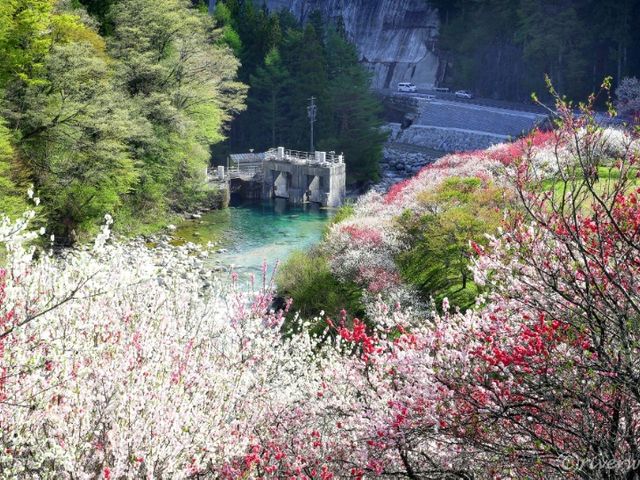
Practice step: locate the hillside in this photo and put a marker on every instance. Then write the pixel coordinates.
(525, 382)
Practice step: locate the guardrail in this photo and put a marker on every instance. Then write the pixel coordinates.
(234, 171)
(244, 168)
(300, 157)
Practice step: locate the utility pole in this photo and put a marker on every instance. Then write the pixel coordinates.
(312, 111)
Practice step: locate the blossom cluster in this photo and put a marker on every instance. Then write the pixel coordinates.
(118, 362)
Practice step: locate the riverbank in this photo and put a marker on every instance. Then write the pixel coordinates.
(247, 234)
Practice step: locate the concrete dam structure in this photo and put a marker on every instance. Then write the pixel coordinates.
(300, 177)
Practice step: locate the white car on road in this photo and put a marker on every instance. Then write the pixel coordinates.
(406, 87)
(463, 94)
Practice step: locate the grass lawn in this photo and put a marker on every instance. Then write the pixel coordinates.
(606, 177)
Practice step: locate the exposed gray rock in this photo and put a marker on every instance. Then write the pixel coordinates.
(400, 163)
(395, 38)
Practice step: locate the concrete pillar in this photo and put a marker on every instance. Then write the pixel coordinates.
(282, 184)
(221, 172)
(280, 153)
(267, 183)
(321, 157)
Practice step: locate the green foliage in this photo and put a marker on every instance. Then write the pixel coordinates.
(25, 38)
(269, 87)
(123, 123)
(75, 131)
(100, 9)
(182, 82)
(356, 113)
(460, 211)
(306, 278)
(286, 64)
(503, 48)
(229, 36)
(343, 213)
(12, 199)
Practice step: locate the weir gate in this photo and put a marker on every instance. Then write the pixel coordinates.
(300, 177)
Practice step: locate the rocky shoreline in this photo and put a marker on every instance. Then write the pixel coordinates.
(400, 162)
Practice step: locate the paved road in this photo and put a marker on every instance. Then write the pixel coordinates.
(486, 102)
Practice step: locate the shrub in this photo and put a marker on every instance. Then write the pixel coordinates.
(307, 279)
(460, 211)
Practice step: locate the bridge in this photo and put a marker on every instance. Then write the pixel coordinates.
(301, 177)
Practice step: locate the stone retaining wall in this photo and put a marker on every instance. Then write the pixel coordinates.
(446, 139)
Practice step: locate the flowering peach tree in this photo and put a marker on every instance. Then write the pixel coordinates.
(119, 362)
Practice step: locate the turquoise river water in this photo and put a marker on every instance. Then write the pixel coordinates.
(254, 232)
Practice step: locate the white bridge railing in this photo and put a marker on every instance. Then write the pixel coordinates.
(240, 170)
(299, 157)
(247, 170)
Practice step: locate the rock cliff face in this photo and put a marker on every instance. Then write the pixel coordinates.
(395, 38)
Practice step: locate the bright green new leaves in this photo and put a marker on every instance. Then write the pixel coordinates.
(117, 124)
(460, 211)
(12, 199)
(75, 135)
(25, 38)
(182, 82)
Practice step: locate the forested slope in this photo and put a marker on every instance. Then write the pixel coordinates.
(503, 48)
(285, 63)
(122, 122)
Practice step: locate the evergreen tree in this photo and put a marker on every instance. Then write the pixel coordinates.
(355, 111)
(503, 48)
(304, 58)
(266, 102)
(302, 62)
(547, 32)
(229, 35)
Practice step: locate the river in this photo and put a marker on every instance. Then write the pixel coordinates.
(255, 232)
